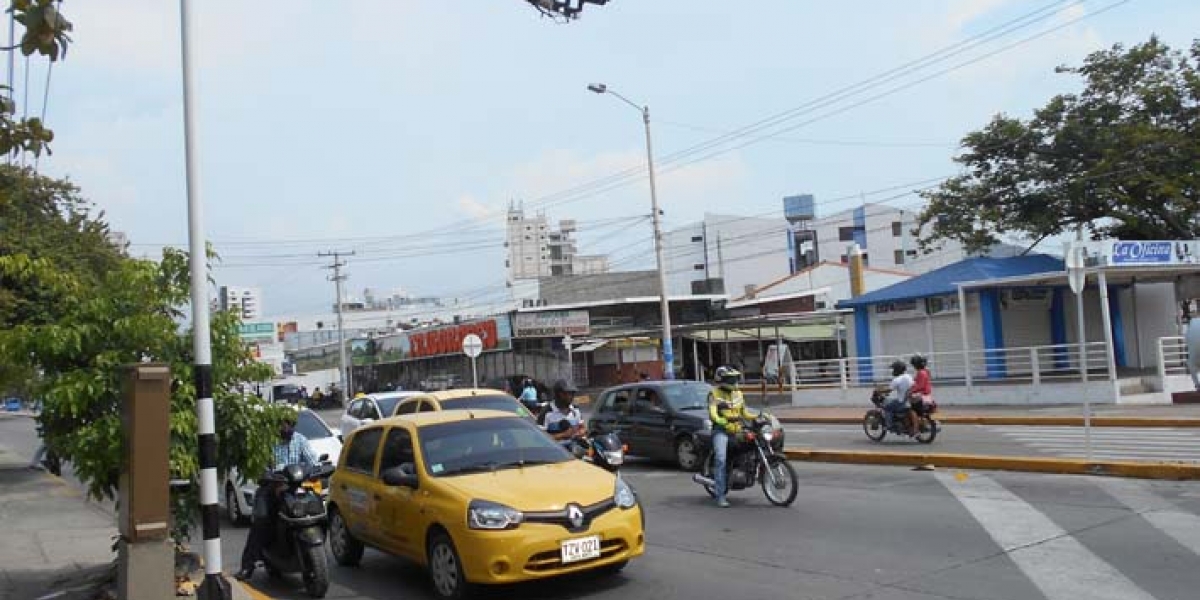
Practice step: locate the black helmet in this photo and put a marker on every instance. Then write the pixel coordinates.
(564, 386)
(917, 361)
(727, 376)
(898, 367)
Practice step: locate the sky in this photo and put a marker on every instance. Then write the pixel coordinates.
(402, 129)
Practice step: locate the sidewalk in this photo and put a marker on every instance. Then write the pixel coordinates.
(56, 542)
(1110, 415)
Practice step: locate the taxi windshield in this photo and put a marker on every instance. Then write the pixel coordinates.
(486, 444)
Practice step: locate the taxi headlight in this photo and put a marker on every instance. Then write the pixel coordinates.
(623, 494)
(482, 514)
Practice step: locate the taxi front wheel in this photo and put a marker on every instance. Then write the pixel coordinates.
(445, 568)
(347, 551)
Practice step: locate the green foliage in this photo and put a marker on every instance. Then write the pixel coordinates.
(1118, 158)
(46, 32)
(76, 311)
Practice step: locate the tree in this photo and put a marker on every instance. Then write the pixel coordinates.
(1120, 158)
(131, 314)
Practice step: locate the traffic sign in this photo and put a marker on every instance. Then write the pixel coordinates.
(472, 345)
(1076, 275)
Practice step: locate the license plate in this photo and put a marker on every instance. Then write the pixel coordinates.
(580, 549)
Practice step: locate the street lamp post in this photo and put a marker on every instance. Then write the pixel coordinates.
(667, 346)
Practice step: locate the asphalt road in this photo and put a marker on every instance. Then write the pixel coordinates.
(871, 532)
(1108, 443)
(861, 532)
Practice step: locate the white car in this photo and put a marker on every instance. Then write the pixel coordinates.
(371, 407)
(322, 440)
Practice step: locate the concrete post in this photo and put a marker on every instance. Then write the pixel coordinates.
(146, 558)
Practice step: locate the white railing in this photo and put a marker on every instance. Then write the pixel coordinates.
(1172, 356)
(1034, 364)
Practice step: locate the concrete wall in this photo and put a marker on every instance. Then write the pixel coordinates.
(573, 289)
(1098, 392)
(754, 251)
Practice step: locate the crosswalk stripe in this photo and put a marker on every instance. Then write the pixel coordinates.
(1132, 447)
(1133, 456)
(1184, 527)
(1108, 431)
(1058, 564)
(1113, 443)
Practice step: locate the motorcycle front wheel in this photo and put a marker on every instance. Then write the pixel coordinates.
(779, 482)
(316, 573)
(873, 426)
(926, 430)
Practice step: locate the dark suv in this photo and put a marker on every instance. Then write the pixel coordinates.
(658, 419)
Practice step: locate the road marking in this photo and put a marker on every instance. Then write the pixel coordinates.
(1131, 456)
(1184, 527)
(1058, 564)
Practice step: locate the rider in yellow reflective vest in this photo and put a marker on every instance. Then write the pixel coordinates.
(726, 409)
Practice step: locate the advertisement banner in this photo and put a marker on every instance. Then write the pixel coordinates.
(448, 340)
(554, 323)
(1139, 253)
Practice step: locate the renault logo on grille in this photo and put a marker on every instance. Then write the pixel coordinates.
(575, 515)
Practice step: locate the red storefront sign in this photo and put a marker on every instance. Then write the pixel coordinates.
(449, 340)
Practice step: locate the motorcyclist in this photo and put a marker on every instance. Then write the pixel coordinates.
(292, 448)
(726, 409)
(564, 421)
(529, 391)
(897, 400)
(922, 389)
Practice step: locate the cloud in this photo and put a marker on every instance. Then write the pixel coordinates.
(474, 208)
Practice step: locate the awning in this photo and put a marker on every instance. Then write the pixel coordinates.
(588, 346)
(792, 333)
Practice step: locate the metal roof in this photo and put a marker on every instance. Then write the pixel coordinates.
(944, 281)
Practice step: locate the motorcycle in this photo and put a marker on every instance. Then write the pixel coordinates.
(750, 460)
(298, 541)
(604, 450)
(874, 423)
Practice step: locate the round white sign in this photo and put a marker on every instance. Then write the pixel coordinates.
(472, 346)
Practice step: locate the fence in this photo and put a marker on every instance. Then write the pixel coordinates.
(1032, 365)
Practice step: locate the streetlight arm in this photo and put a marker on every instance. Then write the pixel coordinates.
(600, 88)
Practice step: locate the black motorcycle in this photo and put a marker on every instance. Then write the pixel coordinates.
(603, 450)
(875, 425)
(749, 459)
(297, 543)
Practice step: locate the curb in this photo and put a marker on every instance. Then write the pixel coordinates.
(1021, 420)
(1067, 466)
(248, 592)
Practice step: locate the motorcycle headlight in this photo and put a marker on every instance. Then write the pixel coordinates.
(623, 494)
(482, 514)
(615, 457)
(767, 432)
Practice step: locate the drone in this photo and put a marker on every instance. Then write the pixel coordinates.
(563, 9)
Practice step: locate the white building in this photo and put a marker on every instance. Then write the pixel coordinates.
(537, 250)
(246, 301)
(740, 251)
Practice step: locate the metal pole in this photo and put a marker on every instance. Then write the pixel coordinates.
(1083, 367)
(667, 345)
(345, 377)
(567, 343)
(474, 374)
(214, 586)
(1106, 316)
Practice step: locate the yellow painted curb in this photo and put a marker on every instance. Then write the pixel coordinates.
(1020, 420)
(251, 590)
(1140, 470)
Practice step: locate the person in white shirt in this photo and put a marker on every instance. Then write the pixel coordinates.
(897, 401)
(564, 421)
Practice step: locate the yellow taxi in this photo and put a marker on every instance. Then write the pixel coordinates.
(478, 497)
(461, 399)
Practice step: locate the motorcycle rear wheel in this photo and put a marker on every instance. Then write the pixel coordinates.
(926, 430)
(777, 469)
(873, 426)
(706, 470)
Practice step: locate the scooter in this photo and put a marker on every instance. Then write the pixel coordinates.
(298, 541)
(605, 450)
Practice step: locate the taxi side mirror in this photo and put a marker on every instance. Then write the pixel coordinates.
(404, 476)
